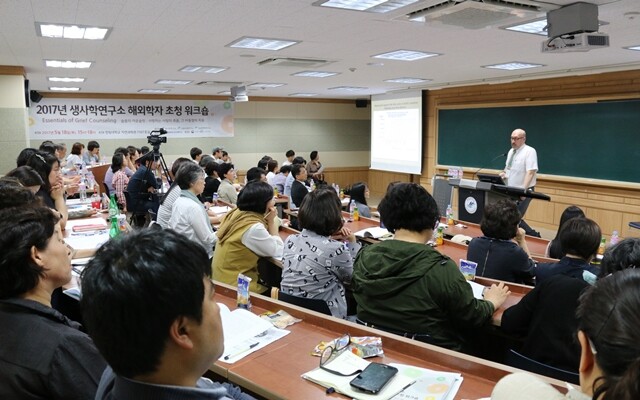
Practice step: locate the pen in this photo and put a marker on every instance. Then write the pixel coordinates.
(251, 346)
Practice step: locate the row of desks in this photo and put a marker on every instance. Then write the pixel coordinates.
(274, 371)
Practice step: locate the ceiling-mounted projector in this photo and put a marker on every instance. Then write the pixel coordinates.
(576, 42)
(239, 94)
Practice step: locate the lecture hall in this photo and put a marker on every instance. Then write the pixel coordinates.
(423, 139)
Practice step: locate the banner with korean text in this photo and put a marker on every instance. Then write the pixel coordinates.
(56, 119)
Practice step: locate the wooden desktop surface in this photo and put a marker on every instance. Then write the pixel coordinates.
(274, 371)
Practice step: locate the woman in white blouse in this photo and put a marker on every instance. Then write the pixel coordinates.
(188, 215)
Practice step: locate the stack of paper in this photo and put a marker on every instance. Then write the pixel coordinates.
(244, 333)
(432, 385)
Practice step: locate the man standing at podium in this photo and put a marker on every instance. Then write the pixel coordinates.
(520, 169)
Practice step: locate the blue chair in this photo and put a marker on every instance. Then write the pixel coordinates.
(517, 360)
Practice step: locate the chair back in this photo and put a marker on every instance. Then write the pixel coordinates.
(310, 304)
(517, 360)
(138, 218)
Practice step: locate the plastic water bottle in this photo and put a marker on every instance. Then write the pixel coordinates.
(337, 187)
(214, 198)
(614, 238)
(352, 207)
(83, 190)
(603, 245)
(449, 215)
(356, 213)
(440, 236)
(105, 201)
(113, 216)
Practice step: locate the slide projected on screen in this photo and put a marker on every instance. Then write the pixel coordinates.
(396, 132)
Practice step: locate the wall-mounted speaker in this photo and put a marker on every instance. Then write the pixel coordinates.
(362, 103)
(35, 96)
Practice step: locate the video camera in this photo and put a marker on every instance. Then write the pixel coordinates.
(154, 139)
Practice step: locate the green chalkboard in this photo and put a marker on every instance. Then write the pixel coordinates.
(595, 140)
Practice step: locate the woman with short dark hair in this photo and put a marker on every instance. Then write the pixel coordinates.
(554, 250)
(318, 261)
(75, 158)
(502, 252)
(43, 354)
(188, 216)
(247, 233)
(226, 191)
(314, 167)
(406, 287)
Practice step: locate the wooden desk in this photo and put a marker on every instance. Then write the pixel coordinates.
(274, 371)
(537, 246)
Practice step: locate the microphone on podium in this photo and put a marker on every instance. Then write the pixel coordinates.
(489, 163)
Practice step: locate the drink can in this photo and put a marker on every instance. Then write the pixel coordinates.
(122, 222)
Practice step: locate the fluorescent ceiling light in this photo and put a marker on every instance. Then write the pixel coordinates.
(153, 90)
(377, 6)
(64, 89)
(405, 55)
(205, 69)
(513, 65)
(225, 93)
(265, 85)
(67, 64)
(636, 48)
(303, 94)
(60, 31)
(537, 27)
(172, 82)
(57, 79)
(348, 88)
(315, 74)
(262, 43)
(407, 80)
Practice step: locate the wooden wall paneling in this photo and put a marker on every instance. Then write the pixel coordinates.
(613, 205)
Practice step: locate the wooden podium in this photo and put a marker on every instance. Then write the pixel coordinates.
(474, 195)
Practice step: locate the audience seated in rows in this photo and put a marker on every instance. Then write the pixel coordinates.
(407, 287)
(498, 255)
(247, 233)
(553, 249)
(317, 263)
(546, 315)
(227, 191)
(171, 332)
(43, 355)
(196, 154)
(609, 339)
(188, 216)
